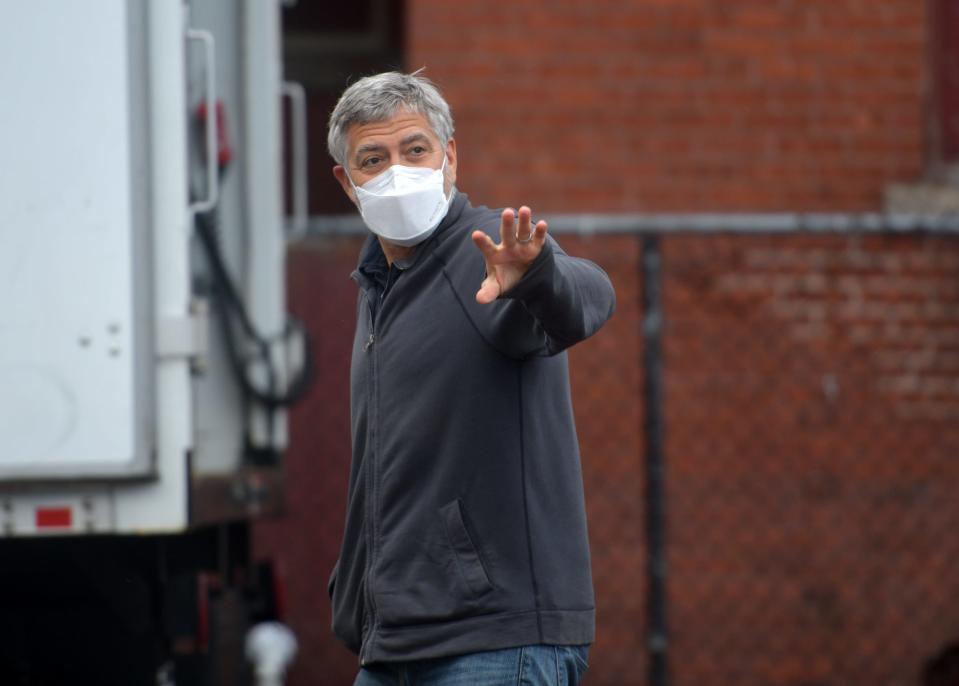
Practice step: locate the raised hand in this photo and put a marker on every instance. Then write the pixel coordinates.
(521, 243)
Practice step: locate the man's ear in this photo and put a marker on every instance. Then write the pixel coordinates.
(451, 161)
(340, 173)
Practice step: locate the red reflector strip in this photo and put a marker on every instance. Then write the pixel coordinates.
(54, 517)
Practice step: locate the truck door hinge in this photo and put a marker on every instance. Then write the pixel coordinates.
(185, 336)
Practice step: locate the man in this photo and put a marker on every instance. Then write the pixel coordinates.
(465, 557)
(942, 669)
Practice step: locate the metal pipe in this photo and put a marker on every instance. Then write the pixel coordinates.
(658, 636)
(722, 222)
(266, 235)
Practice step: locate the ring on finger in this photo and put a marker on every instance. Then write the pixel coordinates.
(524, 240)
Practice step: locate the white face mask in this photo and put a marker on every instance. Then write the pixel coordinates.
(404, 205)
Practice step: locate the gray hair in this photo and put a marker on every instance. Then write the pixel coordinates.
(378, 97)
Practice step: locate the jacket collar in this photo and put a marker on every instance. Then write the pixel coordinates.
(371, 254)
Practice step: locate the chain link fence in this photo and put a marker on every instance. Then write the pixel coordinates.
(808, 400)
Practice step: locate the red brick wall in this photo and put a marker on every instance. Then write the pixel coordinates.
(945, 19)
(678, 104)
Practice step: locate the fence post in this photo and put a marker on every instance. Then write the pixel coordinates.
(655, 473)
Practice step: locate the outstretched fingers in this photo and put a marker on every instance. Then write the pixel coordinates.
(488, 291)
(507, 228)
(539, 233)
(524, 230)
(520, 243)
(485, 244)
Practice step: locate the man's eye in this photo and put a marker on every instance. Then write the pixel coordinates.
(418, 150)
(371, 161)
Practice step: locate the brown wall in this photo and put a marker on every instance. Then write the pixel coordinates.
(812, 381)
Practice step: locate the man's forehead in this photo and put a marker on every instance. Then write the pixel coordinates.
(401, 125)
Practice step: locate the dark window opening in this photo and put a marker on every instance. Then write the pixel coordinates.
(327, 46)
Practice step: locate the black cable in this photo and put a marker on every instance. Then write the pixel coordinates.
(234, 309)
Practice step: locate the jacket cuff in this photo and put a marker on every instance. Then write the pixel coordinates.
(538, 276)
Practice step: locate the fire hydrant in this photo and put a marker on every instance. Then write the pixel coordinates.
(271, 647)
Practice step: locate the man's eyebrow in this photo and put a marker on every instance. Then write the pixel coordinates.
(379, 147)
(368, 147)
(413, 137)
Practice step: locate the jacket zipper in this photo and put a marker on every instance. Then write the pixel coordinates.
(371, 489)
(370, 348)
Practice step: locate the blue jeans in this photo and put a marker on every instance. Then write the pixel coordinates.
(528, 666)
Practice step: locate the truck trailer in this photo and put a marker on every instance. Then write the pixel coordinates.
(147, 359)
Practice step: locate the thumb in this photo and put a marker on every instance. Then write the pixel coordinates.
(489, 290)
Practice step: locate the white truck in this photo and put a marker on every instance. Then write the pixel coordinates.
(146, 356)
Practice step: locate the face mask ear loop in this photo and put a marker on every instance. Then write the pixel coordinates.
(356, 193)
(349, 178)
(443, 169)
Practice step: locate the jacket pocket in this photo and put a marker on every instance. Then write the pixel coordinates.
(468, 560)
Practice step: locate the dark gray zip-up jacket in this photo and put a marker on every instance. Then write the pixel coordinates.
(465, 525)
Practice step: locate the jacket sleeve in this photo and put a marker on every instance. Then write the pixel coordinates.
(570, 298)
(560, 301)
